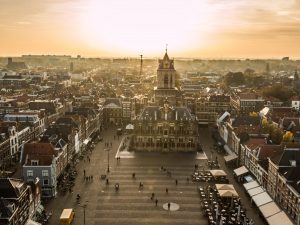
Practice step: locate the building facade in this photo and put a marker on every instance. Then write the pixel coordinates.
(165, 128)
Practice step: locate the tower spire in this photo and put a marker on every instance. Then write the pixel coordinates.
(166, 48)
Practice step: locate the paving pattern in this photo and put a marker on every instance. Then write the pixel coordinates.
(131, 205)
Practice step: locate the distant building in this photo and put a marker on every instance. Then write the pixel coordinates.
(244, 103)
(112, 112)
(15, 65)
(208, 109)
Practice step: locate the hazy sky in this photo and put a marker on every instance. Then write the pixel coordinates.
(191, 28)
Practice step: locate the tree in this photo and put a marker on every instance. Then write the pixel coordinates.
(234, 78)
(288, 137)
(276, 135)
(278, 91)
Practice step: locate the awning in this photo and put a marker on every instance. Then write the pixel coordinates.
(218, 173)
(226, 190)
(129, 127)
(225, 187)
(86, 141)
(230, 157)
(261, 199)
(251, 185)
(269, 209)
(255, 191)
(279, 219)
(241, 170)
(228, 193)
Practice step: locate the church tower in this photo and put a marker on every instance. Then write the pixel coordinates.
(166, 74)
(166, 82)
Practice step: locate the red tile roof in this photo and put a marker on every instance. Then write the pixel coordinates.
(44, 152)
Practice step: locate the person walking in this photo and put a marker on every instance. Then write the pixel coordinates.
(176, 181)
(152, 196)
(167, 190)
(84, 173)
(156, 201)
(169, 206)
(107, 181)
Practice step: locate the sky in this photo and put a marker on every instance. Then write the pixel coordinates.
(128, 28)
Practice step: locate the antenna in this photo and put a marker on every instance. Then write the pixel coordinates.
(141, 67)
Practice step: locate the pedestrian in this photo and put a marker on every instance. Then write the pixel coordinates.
(89, 159)
(176, 181)
(107, 182)
(92, 177)
(84, 173)
(133, 175)
(156, 201)
(152, 196)
(187, 179)
(169, 205)
(167, 190)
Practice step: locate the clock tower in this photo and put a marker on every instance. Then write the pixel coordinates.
(166, 80)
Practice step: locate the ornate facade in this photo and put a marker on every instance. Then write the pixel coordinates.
(165, 129)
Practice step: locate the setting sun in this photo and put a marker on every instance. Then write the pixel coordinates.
(132, 26)
(191, 28)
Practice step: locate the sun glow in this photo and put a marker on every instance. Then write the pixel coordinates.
(135, 26)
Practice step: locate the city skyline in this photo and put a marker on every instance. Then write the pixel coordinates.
(192, 29)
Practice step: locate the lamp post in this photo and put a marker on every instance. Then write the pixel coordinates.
(83, 206)
(107, 149)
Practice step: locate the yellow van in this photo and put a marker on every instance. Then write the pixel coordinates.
(66, 217)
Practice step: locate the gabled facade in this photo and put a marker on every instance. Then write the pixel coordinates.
(44, 161)
(165, 129)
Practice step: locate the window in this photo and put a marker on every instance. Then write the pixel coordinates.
(46, 181)
(34, 162)
(45, 173)
(29, 173)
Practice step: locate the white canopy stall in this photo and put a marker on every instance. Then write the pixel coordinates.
(279, 219)
(269, 209)
(261, 199)
(251, 185)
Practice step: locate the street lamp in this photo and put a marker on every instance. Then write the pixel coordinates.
(83, 206)
(107, 149)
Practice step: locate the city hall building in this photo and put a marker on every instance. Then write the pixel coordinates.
(165, 126)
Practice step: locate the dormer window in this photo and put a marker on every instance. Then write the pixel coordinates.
(34, 162)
